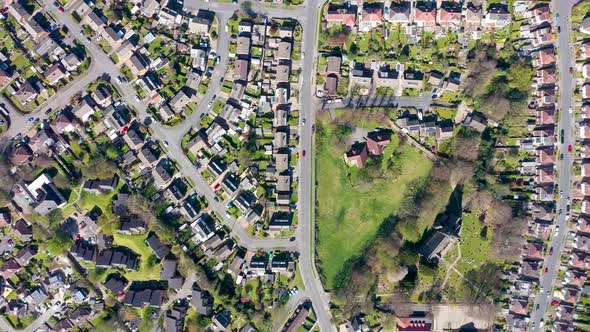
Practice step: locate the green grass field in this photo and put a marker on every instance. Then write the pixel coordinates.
(148, 268)
(348, 217)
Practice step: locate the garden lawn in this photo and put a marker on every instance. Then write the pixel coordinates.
(348, 218)
(148, 268)
(475, 249)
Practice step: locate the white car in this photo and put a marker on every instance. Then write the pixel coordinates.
(118, 80)
(137, 99)
(571, 110)
(210, 104)
(557, 229)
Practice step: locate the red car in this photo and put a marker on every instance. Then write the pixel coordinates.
(546, 270)
(569, 148)
(555, 302)
(571, 71)
(303, 153)
(60, 9)
(216, 186)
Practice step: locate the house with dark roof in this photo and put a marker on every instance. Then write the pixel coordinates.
(145, 297)
(377, 140)
(159, 248)
(169, 273)
(357, 155)
(116, 283)
(23, 229)
(118, 257)
(132, 226)
(98, 186)
(202, 301)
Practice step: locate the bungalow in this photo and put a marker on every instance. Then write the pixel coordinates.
(112, 37)
(476, 121)
(331, 85)
(279, 222)
(519, 306)
(371, 15)
(243, 47)
(284, 50)
(94, 22)
(125, 51)
(357, 155)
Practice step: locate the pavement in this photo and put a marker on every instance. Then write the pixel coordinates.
(566, 59)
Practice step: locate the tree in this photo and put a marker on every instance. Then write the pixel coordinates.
(520, 77)
(59, 243)
(7, 180)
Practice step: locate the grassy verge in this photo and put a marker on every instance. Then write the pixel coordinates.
(352, 213)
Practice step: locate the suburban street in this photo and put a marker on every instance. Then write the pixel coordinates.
(566, 59)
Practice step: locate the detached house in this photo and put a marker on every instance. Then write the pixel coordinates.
(400, 12)
(497, 17)
(449, 15)
(425, 15)
(357, 155)
(371, 15)
(341, 14)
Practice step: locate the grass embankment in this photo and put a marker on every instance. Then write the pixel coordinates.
(349, 214)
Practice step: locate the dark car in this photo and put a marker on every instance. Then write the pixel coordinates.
(558, 29)
(562, 136)
(292, 239)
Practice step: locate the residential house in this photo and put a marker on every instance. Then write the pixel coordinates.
(449, 15)
(344, 14)
(159, 248)
(425, 15)
(145, 297)
(497, 17)
(26, 93)
(20, 155)
(132, 226)
(137, 64)
(377, 141)
(41, 195)
(170, 273)
(371, 15)
(400, 12)
(102, 95)
(472, 17)
(202, 301)
(64, 122)
(357, 155)
(84, 110)
(180, 100)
